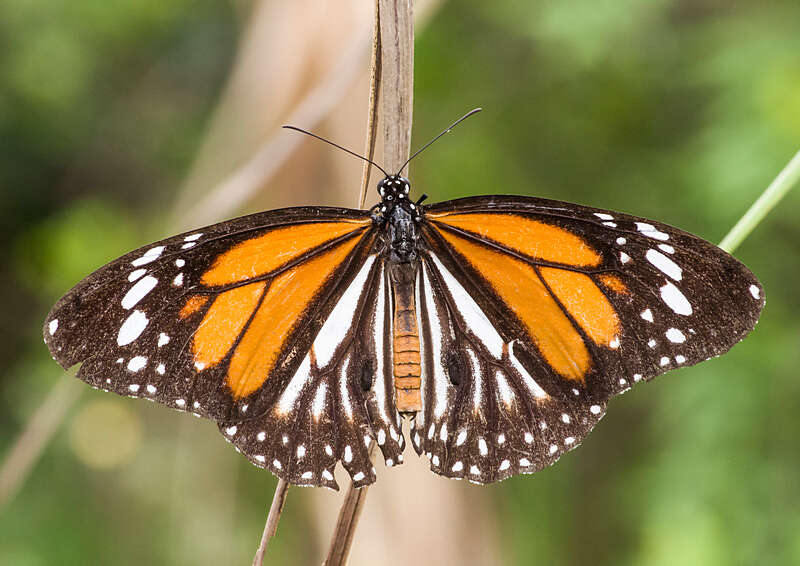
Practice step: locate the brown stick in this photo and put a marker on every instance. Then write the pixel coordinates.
(393, 69)
(273, 517)
(372, 114)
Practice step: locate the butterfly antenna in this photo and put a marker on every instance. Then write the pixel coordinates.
(450, 127)
(302, 131)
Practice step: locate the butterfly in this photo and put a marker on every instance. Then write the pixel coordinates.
(500, 325)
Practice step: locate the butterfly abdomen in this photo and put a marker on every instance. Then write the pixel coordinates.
(405, 343)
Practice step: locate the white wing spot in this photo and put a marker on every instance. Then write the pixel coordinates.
(664, 264)
(381, 437)
(524, 462)
(461, 438)
(542, 425)
(188, 245)
(135, 274)
(132, 328)
(680, 359)
(150, 255)
(178, 281)
(133, 387)
(651, 231)
(199, 366)
(180, 402)
(307, 475)
(151, 389)
(443, 433)
(603, 216)
(458, 466)
(328, 450)
(261, 436)
(675, 336)
(755, 291)
(565, 418)
(367, 440)
(53, 326)
(285, 439)
(348, 454)
(301, 451)
(389, 462)
(664, 361)
(595, 409)
(359, 476)
(327, 475)
(651, 343)
(614, 344)
(621, 241)
(528, 437)
(277, 463)
(260, 458)
(162, 339)
(553, 449)
(435, 460)
(231, 430)
(504, 465)
(666, 248)
(431, 430)
(647, 314)
(569, 440)
(637, 377)
(474, 470)
(138, 292)
(624, 258)
(484, 449)
(501, 438)
(136, 363)
(610, 224)
(318, 405)
(623, 381)
(161, 369)
(675, 300)
(180, 262)
(192, 237)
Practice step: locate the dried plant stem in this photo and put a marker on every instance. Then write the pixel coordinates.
(393, 74)
(273, 517)
(372, 113)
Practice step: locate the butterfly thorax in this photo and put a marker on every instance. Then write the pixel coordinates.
(399, 219)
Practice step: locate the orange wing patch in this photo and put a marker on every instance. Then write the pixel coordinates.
(193, 305)
(223, 323)
(284, 304)
(266, 253)
(614, 283)
(585, 302)
(529, 237)
(520, 288)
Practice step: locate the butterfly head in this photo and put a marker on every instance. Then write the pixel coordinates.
(393, 188)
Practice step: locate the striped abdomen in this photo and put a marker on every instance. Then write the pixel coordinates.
(405, 342)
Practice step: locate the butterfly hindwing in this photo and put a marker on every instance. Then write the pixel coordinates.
(339, 400)
(181, 321)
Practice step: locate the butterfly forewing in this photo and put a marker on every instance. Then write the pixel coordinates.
(181, 321)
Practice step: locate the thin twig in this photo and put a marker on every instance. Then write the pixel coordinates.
(785, 180)
(394, 66)
(273, 517)
(40, 428)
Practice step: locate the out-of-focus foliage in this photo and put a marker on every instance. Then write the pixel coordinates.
(681, 111)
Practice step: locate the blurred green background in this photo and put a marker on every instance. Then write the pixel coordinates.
(682, 111)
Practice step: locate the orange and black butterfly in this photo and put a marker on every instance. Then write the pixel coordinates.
(500, 325)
